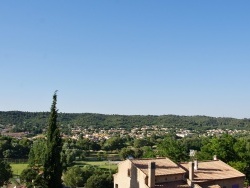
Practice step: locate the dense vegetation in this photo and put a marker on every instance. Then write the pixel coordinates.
(35, 122)
(5, 172)
(231, 149)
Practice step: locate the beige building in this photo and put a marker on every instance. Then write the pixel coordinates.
(164, 173)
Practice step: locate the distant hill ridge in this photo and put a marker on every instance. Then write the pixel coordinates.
(33, 121)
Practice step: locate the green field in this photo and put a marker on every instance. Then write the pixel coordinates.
(18, 168)
(100, 164)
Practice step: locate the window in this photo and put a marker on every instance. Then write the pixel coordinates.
(235, 186)
(129, 173)
(116, 185)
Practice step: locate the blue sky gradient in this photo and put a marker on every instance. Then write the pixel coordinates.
(126, 57)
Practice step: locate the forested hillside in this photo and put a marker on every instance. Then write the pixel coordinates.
(36, 121)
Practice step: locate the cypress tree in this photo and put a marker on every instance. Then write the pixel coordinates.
(52, 163)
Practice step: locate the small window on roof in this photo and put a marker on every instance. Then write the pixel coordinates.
(235, 186)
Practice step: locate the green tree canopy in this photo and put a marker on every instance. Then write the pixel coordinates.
(222, 146)
(138, 143)
(37, 153)
(174, 149)
(126, 152)
(5, 172)
(76, 176)
(100, 181)
(114, 143)
(28, 176)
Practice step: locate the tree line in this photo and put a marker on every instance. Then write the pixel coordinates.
(35, 122)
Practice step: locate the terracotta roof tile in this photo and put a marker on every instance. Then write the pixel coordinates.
(213, 170)
(163, 166)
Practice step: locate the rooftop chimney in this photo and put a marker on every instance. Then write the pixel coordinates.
(191, 171)
(215, 158)
(151, 174)
(195, 164)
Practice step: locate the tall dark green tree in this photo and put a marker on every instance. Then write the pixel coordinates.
(5, 172)
(52, 163)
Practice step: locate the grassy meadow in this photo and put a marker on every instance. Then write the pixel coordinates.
(18, 168)
(101, 164)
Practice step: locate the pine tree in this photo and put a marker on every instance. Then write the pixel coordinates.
(52, 163)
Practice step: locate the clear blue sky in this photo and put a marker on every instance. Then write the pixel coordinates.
(126, 57)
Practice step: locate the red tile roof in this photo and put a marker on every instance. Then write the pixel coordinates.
(163, 166)
(213, 170)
